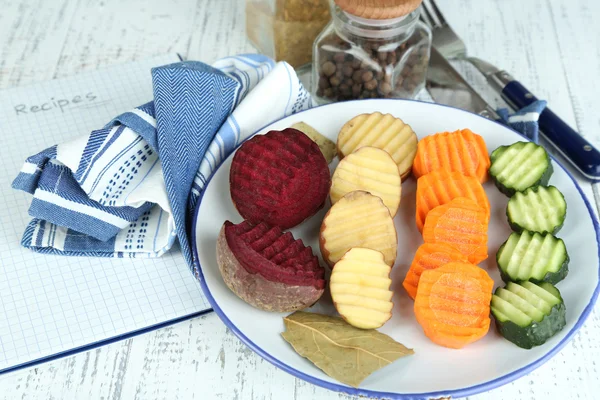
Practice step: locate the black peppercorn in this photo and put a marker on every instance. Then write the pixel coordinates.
(372, 84)
(323, 83)
(339, 57)
(328, 68)
(385, 87)
(348, 70)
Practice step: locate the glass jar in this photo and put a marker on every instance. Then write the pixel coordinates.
(285, 30)
(359, 58)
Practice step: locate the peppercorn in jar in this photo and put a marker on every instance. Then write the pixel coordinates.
(371, 49)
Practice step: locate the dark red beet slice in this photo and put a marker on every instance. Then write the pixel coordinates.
(280, 178)
(273, 254)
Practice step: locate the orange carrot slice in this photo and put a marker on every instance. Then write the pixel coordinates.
(429, 256)
(462, 151)
(462, 224)
(453, 304)
(441, 186)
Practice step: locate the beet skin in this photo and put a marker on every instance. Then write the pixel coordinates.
(268, 268)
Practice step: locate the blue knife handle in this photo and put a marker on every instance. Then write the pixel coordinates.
(572, 145)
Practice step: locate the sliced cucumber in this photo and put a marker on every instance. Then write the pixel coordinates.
(538, 209)
(520, 166)
(531, 256)
(528, 314)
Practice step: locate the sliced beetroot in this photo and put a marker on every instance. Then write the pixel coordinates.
(273, 254)
(280, 178)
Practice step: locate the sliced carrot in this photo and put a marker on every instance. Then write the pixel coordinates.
(462, 224)
(441, 186)
(429, 256)
(462, 151)
(453, 304)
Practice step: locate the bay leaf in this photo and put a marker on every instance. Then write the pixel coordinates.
(343, 352)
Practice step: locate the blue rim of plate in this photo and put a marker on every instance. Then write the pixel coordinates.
(463, 392)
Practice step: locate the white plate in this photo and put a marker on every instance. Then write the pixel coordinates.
(433, 371)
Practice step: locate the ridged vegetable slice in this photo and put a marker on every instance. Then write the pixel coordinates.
(528, 314)
(441, 186)
(429, 256)
(358, 219)
(519, 166)
(369, 169)
(462, 151)
(280, 178)
(531, 256)
(537, 209)
(360, 288)
(462, 224)
(385, 132)
(452, 304)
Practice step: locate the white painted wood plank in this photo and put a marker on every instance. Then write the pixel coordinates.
(578, 38)
(32, 34)
(200, 358)
(108, 32)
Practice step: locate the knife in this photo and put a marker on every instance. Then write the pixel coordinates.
(581, 153)
(447, 86)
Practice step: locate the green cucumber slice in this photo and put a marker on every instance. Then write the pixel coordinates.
(519, 166)
(531, 256)
(504, 311)
(528, 314)
(538, 209)
(522, 304)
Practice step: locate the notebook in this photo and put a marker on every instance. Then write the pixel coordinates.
(52, 306)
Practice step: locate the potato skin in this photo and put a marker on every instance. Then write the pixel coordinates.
(258, 291)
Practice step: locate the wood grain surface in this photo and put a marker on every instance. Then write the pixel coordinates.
(552, 46)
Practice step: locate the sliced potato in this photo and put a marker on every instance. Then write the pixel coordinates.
(385, 132)
(360, 288)
(358, 219)
(327, 146)
(372, 170)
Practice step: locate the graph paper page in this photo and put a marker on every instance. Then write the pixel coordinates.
(54, 304)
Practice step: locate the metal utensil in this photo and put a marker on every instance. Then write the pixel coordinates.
(447, 86)
(581, 153)
(448, 43)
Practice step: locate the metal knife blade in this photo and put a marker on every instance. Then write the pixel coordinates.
(447, 86)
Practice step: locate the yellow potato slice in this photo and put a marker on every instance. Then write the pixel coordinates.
(360, 288)
(385, 132)
(327, 146)
(369, 169)
(358, 219)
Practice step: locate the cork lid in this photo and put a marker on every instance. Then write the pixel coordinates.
(378, 9)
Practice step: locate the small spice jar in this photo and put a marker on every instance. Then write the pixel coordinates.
(371, 49)
(286, 29)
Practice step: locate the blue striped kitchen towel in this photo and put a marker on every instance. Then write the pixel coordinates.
(525, 120)
(130, 188)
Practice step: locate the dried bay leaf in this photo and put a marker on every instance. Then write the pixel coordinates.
(345, 353)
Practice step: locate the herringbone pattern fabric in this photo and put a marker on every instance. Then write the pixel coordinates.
(191, 102)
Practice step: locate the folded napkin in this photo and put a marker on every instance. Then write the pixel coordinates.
(130, 188)
(525, 120)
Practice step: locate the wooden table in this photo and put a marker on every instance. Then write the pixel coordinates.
(552, 46)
